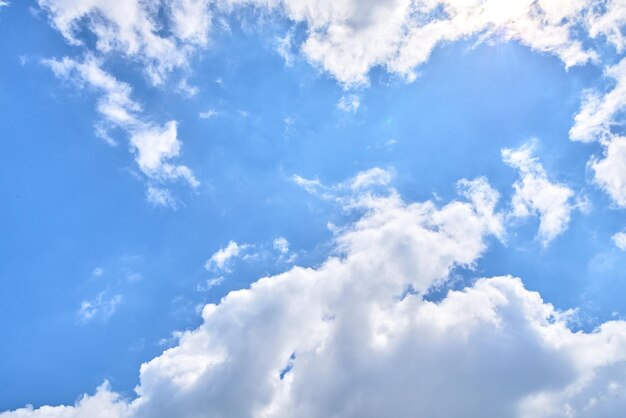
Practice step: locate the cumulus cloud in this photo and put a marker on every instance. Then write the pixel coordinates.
(610, 171)
(535, 194)
(364, 181)
(345, 339)
(281, 245)
(222, 258)
(154, 145)
(620, 240)
(345, 37)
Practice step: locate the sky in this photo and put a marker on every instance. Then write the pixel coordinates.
(311, 208)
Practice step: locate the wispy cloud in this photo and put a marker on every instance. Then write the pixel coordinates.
(101, 308)
(222, 258)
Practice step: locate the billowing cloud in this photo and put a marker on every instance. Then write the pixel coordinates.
(347, 38)
(598, 116)
(281, 245)
(346, 339)
(535, 194)
(101, 308)
(132, 28)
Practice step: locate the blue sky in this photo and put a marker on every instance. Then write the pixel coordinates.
(139, 187)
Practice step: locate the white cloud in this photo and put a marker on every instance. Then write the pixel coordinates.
(609, 23)
(191, 20)
(597, 114)
(363, 182)
(210, 283)
(620, 240)
(132, 28)
(344, 37)
(349, 103)
(222, 258)
(161, 197)
(154, 145)
(101, 308)
(347, 39)
(281, 245)
(610, 171)
(535, 194)
(284, 47)
(211, 113)
(373, 177)
(594, 122)
(338, 340)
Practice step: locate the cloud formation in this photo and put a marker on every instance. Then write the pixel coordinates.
(348, 38)
(535, 194)
(610, 171)
(346, 339)
(154, 145)
(221, 259)
(132, 28)
(620, 240)
(345, 37)
(101, 308)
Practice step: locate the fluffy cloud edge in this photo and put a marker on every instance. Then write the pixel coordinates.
(346, 339)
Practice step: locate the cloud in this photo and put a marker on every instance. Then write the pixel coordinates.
(211, 113)
(101, 308)
(221, 259)
(341, 339)
(535, 194)
(209, 284)
(281, 245)
(349, 103)
(597, 114)
(154, 145)
(348, 39)
(364, 181)
(610, 171)
(161, 197)
(344, 37)
(132, 28)
(284, 46)
(609, 23)
(620, 240)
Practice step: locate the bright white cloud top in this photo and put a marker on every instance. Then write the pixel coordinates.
(377, 326)
(345, 339)
(535, 194)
